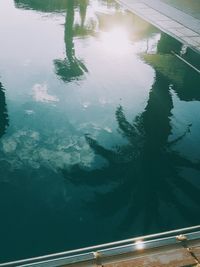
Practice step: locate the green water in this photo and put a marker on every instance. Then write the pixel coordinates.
(99, 128)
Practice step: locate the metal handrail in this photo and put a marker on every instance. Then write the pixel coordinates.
(110, 249)
(186, 62)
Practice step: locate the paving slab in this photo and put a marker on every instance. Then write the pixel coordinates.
(176, 32)
(174, 258)
(190, 41)
(160, 17)
(187, 32)
(170, 24)
(140, 6)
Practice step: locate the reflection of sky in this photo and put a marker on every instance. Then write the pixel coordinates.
(34, 40)
(40, 94)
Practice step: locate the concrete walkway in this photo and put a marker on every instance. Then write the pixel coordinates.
(190, 7)
(180, 25)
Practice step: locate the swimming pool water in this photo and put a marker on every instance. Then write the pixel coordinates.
(99, 128)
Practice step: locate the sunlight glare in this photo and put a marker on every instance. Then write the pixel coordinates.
(116, 41)
(139, 244)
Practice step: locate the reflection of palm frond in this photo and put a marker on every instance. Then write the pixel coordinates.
(145, 174)
(127, 129)
(148, 181)
(69, 70)
(178, 139)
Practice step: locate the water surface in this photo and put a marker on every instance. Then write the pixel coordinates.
(99, 128)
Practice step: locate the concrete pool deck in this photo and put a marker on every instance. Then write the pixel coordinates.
(178, 24)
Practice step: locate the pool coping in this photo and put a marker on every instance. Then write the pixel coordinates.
(172, 248)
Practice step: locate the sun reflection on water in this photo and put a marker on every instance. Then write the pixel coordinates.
(116, 41)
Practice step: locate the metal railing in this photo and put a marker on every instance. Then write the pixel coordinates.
(110, 249)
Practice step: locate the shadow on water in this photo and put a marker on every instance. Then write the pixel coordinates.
(4, 122)
(146, 185)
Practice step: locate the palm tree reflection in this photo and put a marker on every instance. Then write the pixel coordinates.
(145, 177)
(3, 112)
(146, 172)
(71, 67)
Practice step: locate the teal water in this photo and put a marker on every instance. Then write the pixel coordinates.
(99, 128)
